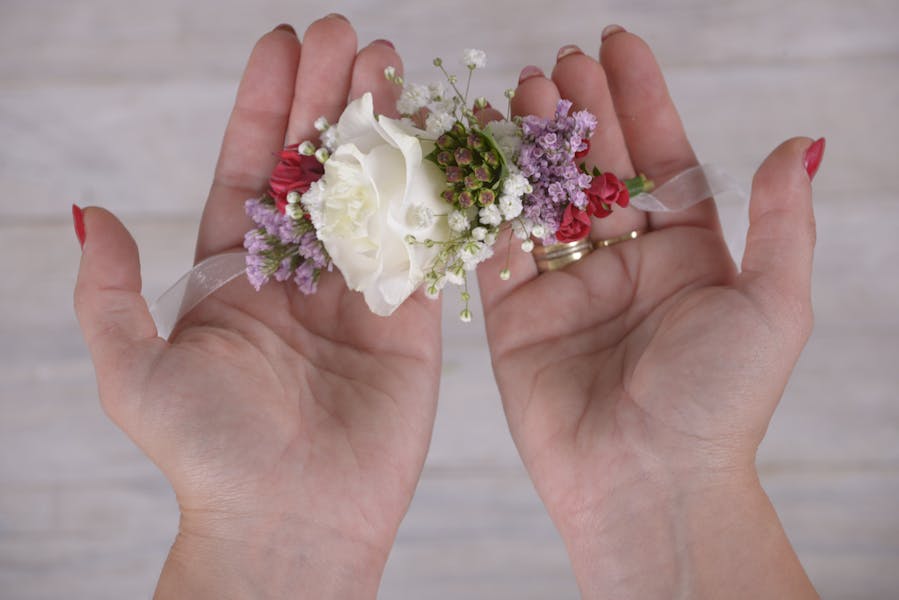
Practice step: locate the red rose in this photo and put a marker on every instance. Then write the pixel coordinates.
(294, 173)
(606, 190)
(582, 153)
(575, 225)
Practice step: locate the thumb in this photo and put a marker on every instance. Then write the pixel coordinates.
(777, 264)
(114, 317)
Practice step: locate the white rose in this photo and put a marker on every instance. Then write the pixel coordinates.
(376, 191)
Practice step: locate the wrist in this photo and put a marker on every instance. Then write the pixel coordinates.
(216, 557)
(707, 535)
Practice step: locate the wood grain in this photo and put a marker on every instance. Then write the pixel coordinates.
(123, 105)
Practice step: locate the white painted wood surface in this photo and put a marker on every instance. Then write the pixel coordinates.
(84, 515)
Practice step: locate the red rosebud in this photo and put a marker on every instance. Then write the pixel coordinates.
(575, 225)
(606, 190)
(294, 173)
(582, 153)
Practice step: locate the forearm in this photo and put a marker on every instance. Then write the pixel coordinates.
(278, 564)
(664, 539)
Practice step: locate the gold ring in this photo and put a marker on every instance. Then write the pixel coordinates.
(556, 256)
(630, 235)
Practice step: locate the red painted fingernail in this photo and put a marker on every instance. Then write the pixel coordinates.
(385, 42)
(611, 30)
(530, 71)
(285, 27)
(567, 51)
(337, 16)
(78, 218)
(812, 159)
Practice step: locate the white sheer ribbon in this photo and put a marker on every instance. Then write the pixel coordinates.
(678, 193)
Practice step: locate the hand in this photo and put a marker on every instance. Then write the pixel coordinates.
(639, 381)
(292, 428)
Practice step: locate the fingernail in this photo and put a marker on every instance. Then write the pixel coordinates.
(530, 71)
(812, 159)
(611, 30)
(78, 218)
(385, 43)
(568, 50)
(337, 16)
(285, 27)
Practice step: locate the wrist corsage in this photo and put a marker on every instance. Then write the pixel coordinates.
(418, 201)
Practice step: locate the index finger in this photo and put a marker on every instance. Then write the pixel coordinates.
(254, 135)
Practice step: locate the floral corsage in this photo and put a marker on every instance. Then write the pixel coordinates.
(399, 204)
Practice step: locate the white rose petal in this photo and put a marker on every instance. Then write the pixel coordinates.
(362, 204)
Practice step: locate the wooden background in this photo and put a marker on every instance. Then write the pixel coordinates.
(122, 104)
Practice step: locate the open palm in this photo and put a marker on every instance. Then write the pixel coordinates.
(653, 357)
(274, 415)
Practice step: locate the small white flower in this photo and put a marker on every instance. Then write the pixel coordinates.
(471, 250)
(294, 211)
(414, 97)
(465, 315)
(490, 215)
(510, 206)
(307, 148)
(479, 233)
(489, 241)
(507, 135)
(439, 123)
(474, 59)
(505, 274)
(419, 217)
(329, 139)
(527, 245)
(433, 285)
(456, 275)
(293, 197)
(520, 229)
(320, 124)
(516, 184)
(458, 222)
(322, 155)
(390, 73)
(538, 231)
(437, 91)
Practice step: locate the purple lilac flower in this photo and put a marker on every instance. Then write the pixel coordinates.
(305, 277)
(282, 248)
(547, 160)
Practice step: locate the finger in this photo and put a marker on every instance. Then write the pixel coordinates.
(582, 80)
(255, 133)
(114, 317)
(652, 128)
(323, 78)
(535, 95)
(487, 115)
(777, 264)
(368, 76)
